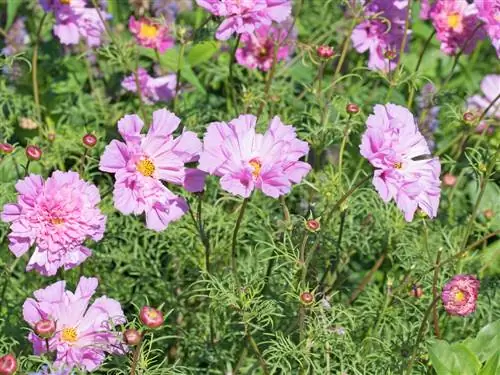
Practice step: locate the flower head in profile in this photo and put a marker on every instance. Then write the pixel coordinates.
(151, 34)
(489, 13)
(391, 143)
(257, 49)
(84, 334)
(490, 86)
(57, 216)
(246, 160)
(244, 16)
(144, 161)
(160, 89)
(381, 33)
(16, 38)
(459, 295)
(456, 23)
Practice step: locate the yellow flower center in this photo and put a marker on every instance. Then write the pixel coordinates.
(459, 296)
(398, 165)
(257, 166)
(65, 2)
(148, 31)
(69, 334)
(57, 221)
(454, 20)
(146, 167)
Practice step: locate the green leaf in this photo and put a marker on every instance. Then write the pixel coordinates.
(118, 9)
(202, 52)
(492, 367)
(487, 341)
(455, 359)
(12, 6)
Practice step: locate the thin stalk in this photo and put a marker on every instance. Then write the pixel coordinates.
(135, 358)
(405, 37)
(82, 162)
(234, 254)
(256, 350)
(34, 69)
(435, 316)
(139, 94)
(368, 277)
(27, 168)
(302, 262)
(489, 107)
(93, 87)
(342, 146)
(420, 58)
(232, 60)
(339, 249)
(269, 81)
(180, 63)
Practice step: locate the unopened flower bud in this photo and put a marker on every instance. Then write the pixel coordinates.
(488, 213)
(132, 336)
(306, 298)
(51, 136)
(352, 108)
(6, 148)
(89, 140)
(390, 54)
(8, 364)
(468, 117)
(33, 152)
(150, 317)
(45, 328)
(325, 52)
(449, 179)
(416, 291)
(313, 225)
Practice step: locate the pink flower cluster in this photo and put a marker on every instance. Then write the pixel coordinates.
(83, 333)
(244, 16)
(246, 160)
(57, 216)
(151, 34)
(391, 143)
(143, 162)
(74, 21)
(381, 33)
(459, 295)
(258, 47)
(160, 89)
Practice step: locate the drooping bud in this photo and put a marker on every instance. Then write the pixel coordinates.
(325, 52)
(449, 179)
(469, 117)
(6, 148)
(390, 54)
(416, 291)
(352, 108)
(132, 337)
(8, 364)
(33, 152)
(45, 328)
(89, 140)
(306, 298)
(51, 136)
(151, 317)
(488, 213)
(313, 225)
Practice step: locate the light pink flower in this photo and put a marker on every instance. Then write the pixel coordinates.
(247, 160)
(84, 334)
(160, 89)
(144, 161)
(489, 13)
(244, 16)
(459, 295)
(57, 216)
(258, 47)
(151, 34)
(391, 143)
(490, 85)
(455, 22)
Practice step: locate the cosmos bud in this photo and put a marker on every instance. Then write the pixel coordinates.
(352, 108)
(306, 298)
(416, 291)
(150, 317)
(45, 328)
(449, 179)
(132, 336)
(8, 364)
(89, 140)
(6, 148)
(468, 117)
(33, 152)
(313, 225)
(325, 52)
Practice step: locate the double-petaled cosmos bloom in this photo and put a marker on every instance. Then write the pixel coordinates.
(457, 25)
(57, 216)
(258, 47)
(244, 16)
(144, 161)
(489, 13)
(247, 160)
(391, 143)
(151, 34)
(381, 33)
(160, 89)
(74, 21)
(459, 295)
(84, 334)
(16, 38)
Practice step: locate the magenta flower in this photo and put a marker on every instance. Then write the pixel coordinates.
(151, 34)
(57, 216)
(160, 89)
(142, 162)
(489, 13)
(459, 295)
(490, 85)
(391, 143)
(244, 16)
(247, 160)
(381, 33)
(84, 334)
(455, 22)
(258, 47)
(74, 21)
(16, 39)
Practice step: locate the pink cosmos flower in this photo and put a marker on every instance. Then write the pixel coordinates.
(258, 47)
(84, 334)
(391, 143)
(247, 160)
(490, 85)
(489, 13)
(74, 21)
(151, 34)
(144, 161)
(160, 89)
(455, 22)
(244, 16)
(459, 295)
(57, 216)
(381, 33)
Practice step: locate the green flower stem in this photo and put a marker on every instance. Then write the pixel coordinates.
(435, 295)
(34, 69)
(180, 64)
(232, 60)
(420, 58)
(256, 350)
(135, 358)
(234, 253)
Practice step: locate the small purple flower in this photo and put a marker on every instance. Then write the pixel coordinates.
(16, 39)
(459, 295)
(160, 89)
